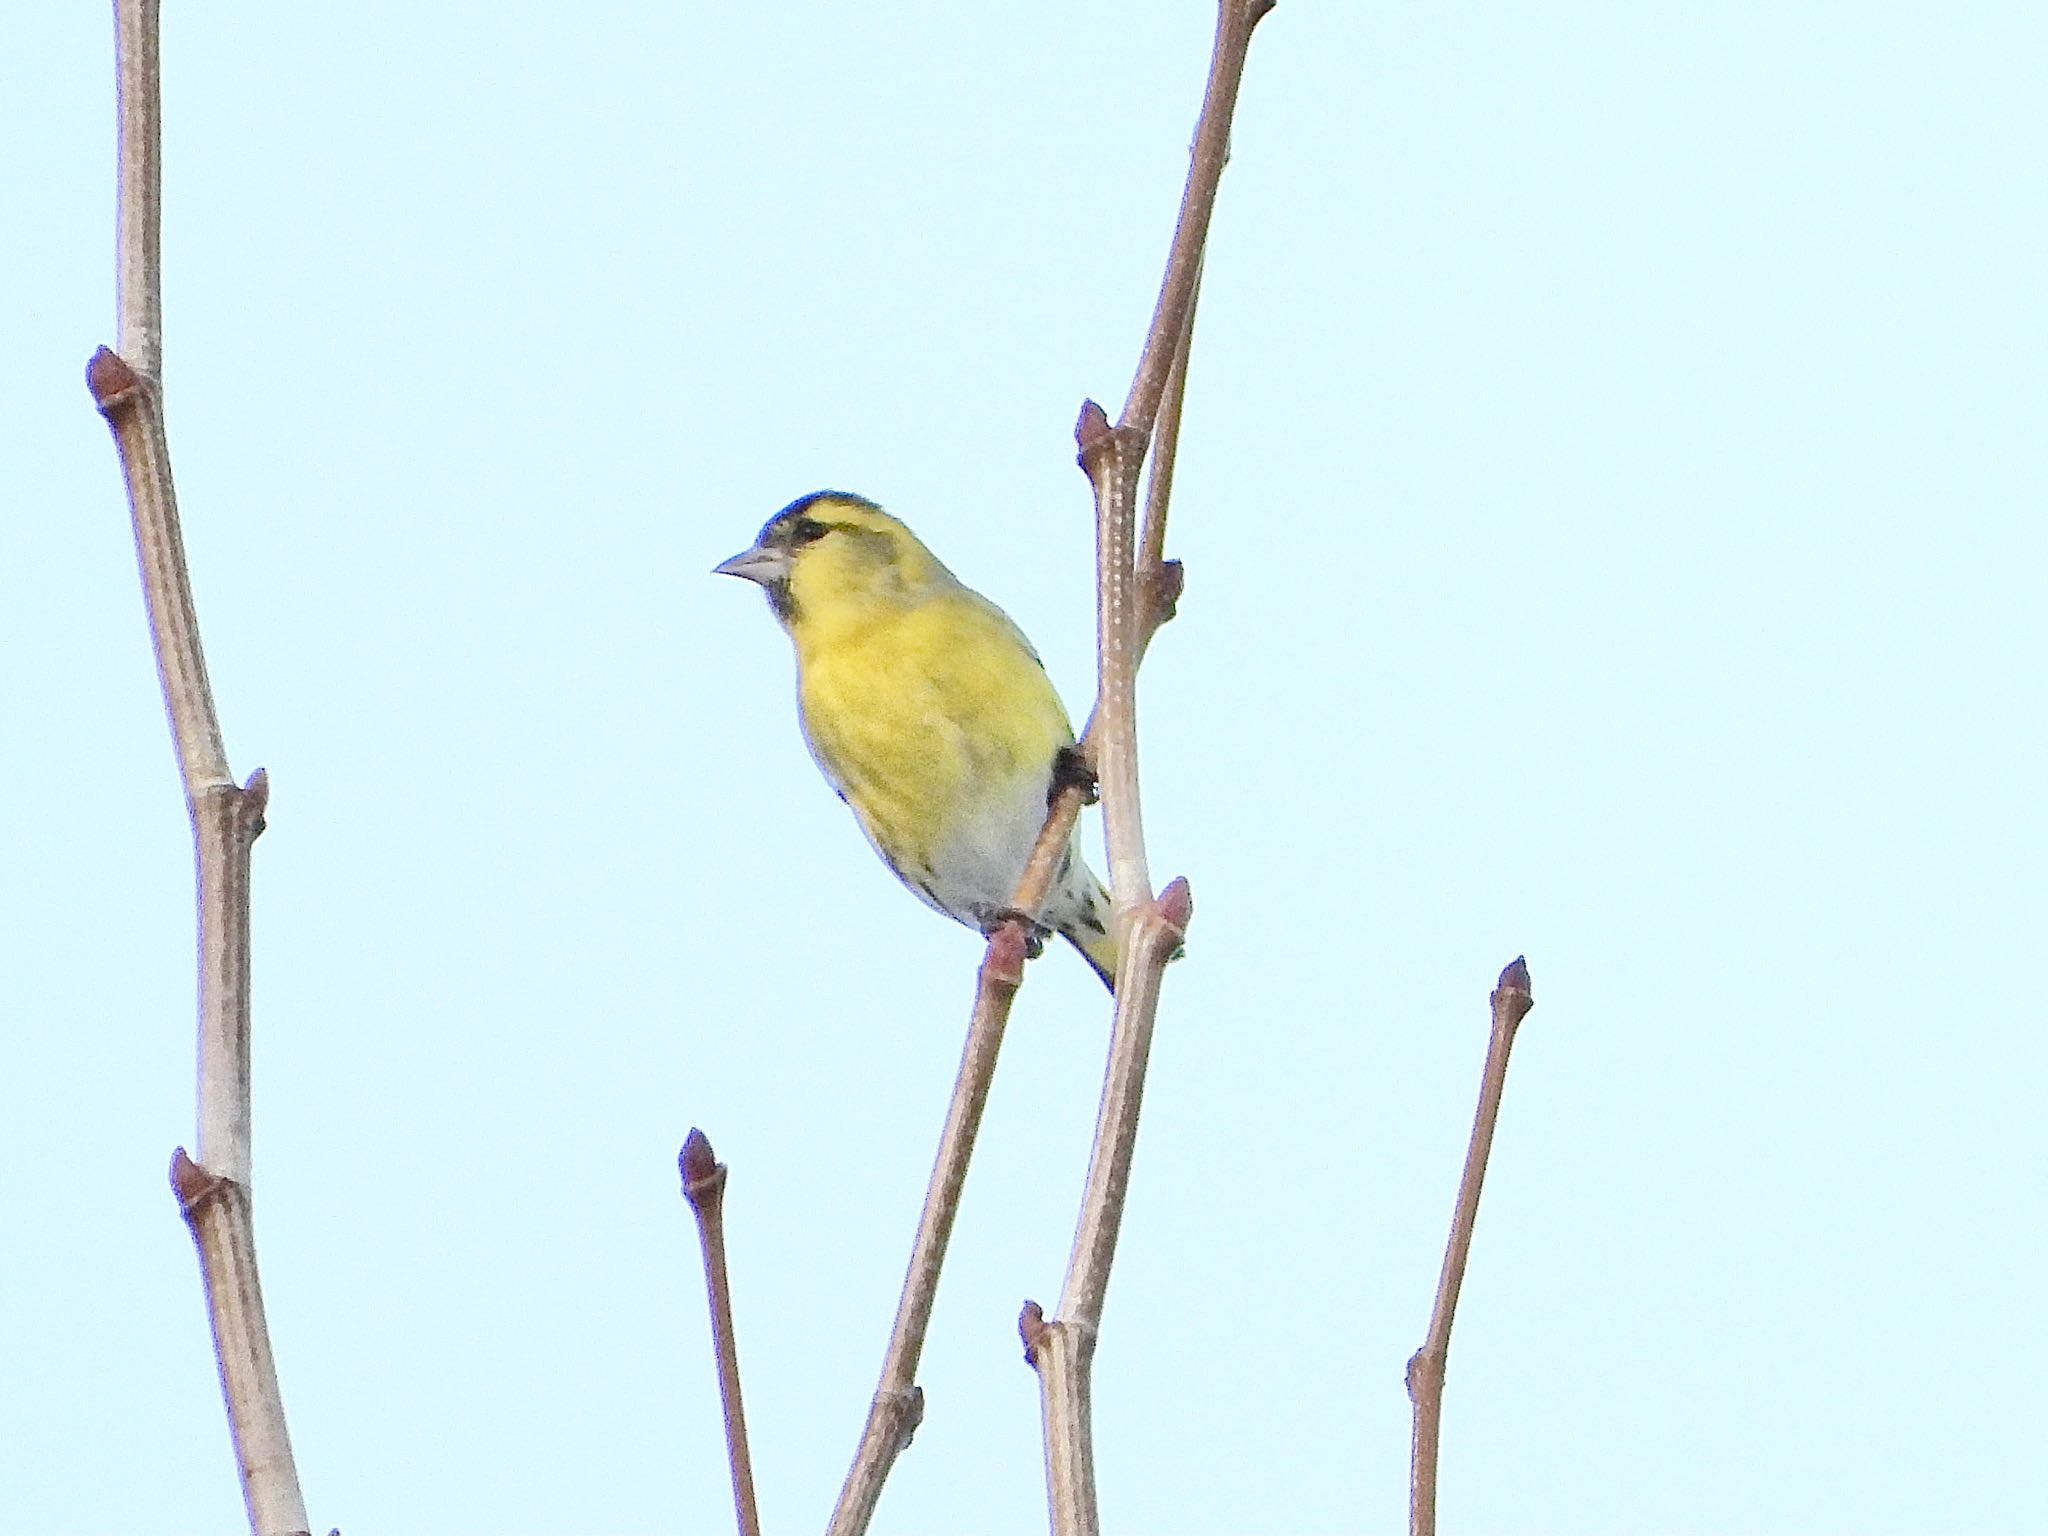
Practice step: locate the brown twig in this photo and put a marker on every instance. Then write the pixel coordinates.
(1064, 1357)
(1111, 457)
(898, 1405)
(704, 1187)
(1136, 592)
(138, 237)
(214, 1190)
(1063, 1350)
(1512, 1001)
(1235, 20)
(1159, 478)
(1159, 933)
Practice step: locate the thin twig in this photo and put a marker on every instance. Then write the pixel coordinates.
(1158, 934)
(1166, 448)
(1511, 1001)
(1063, 1350)
(1235, 20)
(217, 1212)
(1064, 1357)
(1111, 456)
(213, 1191)
(704, 1187)
(139, 232)
(1136, 592)
(898, 1404)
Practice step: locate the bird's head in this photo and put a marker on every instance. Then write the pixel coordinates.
(831, 556)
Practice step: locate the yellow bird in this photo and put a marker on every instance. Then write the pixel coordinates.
(928, 712)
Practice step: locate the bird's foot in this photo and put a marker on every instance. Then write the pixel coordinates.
(1035, 933)
(1072, 770)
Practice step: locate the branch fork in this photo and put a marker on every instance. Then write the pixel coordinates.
(1137, 592)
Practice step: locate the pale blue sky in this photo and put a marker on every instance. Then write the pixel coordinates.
(1613, 502)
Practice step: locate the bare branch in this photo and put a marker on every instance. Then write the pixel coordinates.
(1235, 20)
(1165, 448)
(704, 1187)
(1064, 1350)
(139, 234)
(1064, 1357)
(217, 1212)
(1111, 457)
(1512, 1000)
(1136, 589)
(133, 406)
(213, 1192)
(1157, 937)
(898, 1404)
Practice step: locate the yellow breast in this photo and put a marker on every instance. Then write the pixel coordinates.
(926, 717)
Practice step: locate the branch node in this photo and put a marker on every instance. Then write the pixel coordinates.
(905, 1409)
(1104, 448)
(1009, 946)
(192, 1184)
(1419, 1361)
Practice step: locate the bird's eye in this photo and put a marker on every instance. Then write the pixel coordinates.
(806, 531)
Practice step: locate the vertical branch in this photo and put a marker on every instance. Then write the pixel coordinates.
(1111, 456)
(224, 1232)
(214, 1191)
(1136, 592)
(1511, 1002)
(1155, 939)
(1064, 1357)
(1235, 20)
(1063, 1350)
(139, 232)
(704, 1187)
(1160, 576)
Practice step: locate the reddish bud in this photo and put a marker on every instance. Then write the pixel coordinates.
(1177, 903)
(1031, 1326)
(1092, 428)
(1168, 581)
(192, 1184)
(1513, 999)
(703, 1174)
(109, 377)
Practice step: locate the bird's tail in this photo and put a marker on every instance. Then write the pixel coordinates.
(1099, 952)
(1088, 929)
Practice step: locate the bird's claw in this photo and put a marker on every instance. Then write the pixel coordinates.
(1072, 770)
(1035, 932)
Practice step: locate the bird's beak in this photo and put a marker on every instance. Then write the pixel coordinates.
(765, 566)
